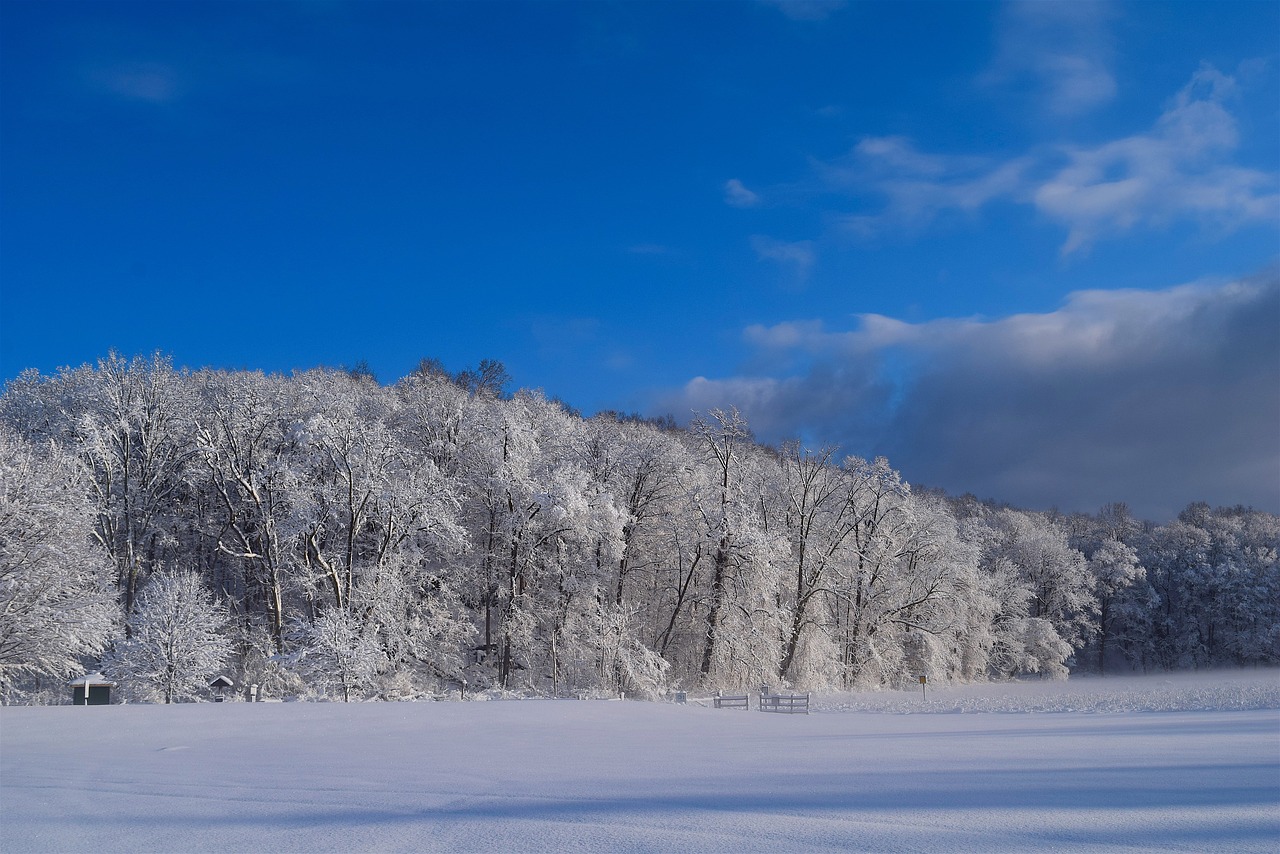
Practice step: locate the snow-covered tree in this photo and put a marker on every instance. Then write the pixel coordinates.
(742, 629)
(129, 421)
(1034, 646)
(453, 531)
(56, 602)
(370, 496)
(820, 517)
(135, 439)
(1057, 575)
(1216, 576)
(1116, 572)
(625, 662)
(250, 468)
(896, 599)
(543, 529)
(341, 653)
(176, 642)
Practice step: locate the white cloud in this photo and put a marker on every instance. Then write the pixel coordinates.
(1176, 170)
(650, 249)
(1156, 398)
(799, 256)
(1065, 48)
(737, 195)
(806, 10)
(139, 81)
(918, 186)
(1180, 169)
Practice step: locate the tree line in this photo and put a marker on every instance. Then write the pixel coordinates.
(320, 534)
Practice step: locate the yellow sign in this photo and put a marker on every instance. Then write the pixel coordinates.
(923, 680)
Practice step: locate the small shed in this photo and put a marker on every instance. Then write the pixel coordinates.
(220, 686)
(93, 689)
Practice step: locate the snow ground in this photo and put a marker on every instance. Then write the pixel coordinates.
(1154, 764)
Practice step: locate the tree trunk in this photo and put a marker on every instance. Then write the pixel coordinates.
(717, 597)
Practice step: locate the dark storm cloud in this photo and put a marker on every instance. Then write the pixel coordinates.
(1155, 398)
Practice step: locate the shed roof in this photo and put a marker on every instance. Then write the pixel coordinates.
(94, 678)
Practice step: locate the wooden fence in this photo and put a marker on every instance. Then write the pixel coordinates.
(787, 704)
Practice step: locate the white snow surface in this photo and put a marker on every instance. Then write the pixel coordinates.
(1211, 691)
(1141, 764)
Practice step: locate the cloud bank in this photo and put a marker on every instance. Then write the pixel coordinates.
(1155, 398)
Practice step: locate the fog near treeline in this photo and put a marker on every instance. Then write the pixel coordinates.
(322, 535)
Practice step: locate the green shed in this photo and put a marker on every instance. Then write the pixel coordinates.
(91, 690)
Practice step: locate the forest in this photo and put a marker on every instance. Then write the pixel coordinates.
(322, 535)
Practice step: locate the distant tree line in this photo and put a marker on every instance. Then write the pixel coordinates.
(320, 534)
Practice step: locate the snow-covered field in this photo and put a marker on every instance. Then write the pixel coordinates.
(1155, 764)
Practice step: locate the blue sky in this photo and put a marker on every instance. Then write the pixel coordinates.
(1026, 250)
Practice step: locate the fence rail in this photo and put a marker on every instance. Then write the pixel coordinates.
(731, 702)
(787, 704)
